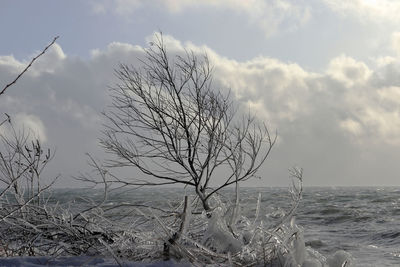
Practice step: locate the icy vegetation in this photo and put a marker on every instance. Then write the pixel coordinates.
(32, 224)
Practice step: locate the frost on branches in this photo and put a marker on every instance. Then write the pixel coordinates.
(170, 124)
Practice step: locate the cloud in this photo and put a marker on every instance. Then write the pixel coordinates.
(281, 87)
(327, 121)
(335, 117)
(31, 123)
(120, 7)
(53, 59)
(59, 100)
(367, 10)
(48, 63)
(348, 71)
(375, 116)
(8, 64)
(396, 42)
(28, 124)
(270, 16)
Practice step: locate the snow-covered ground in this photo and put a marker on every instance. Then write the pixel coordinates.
(80, 261)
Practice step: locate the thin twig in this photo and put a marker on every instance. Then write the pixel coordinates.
(29, 65)
(6, 120)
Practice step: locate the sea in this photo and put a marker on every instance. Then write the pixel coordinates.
(364, 221)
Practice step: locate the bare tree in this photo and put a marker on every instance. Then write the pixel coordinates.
(22, 161)
(32, 222)
(168, 121)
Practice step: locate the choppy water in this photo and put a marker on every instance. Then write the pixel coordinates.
(362, 221)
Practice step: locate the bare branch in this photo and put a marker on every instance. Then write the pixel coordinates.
(28, 66)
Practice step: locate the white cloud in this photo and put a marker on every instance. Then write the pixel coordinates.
(268, 15)
(281, 87)
(396, 42)
(368, 10)
(31, 123)
(48, 63)
(120, 7)
(348, 70)
(349, 98)
(53, 59)
(351, 126)
(11, 65)
(384, 61)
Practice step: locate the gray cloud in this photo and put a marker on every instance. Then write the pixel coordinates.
(342, 125)
(270, 16)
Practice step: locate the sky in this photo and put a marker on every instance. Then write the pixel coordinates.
(324, 73)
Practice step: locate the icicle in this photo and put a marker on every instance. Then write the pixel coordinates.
(218, 236)
(257, 208)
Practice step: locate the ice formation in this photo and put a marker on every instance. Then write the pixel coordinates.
(221, 236)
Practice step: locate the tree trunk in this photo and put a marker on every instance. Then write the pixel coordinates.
(177, 235)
